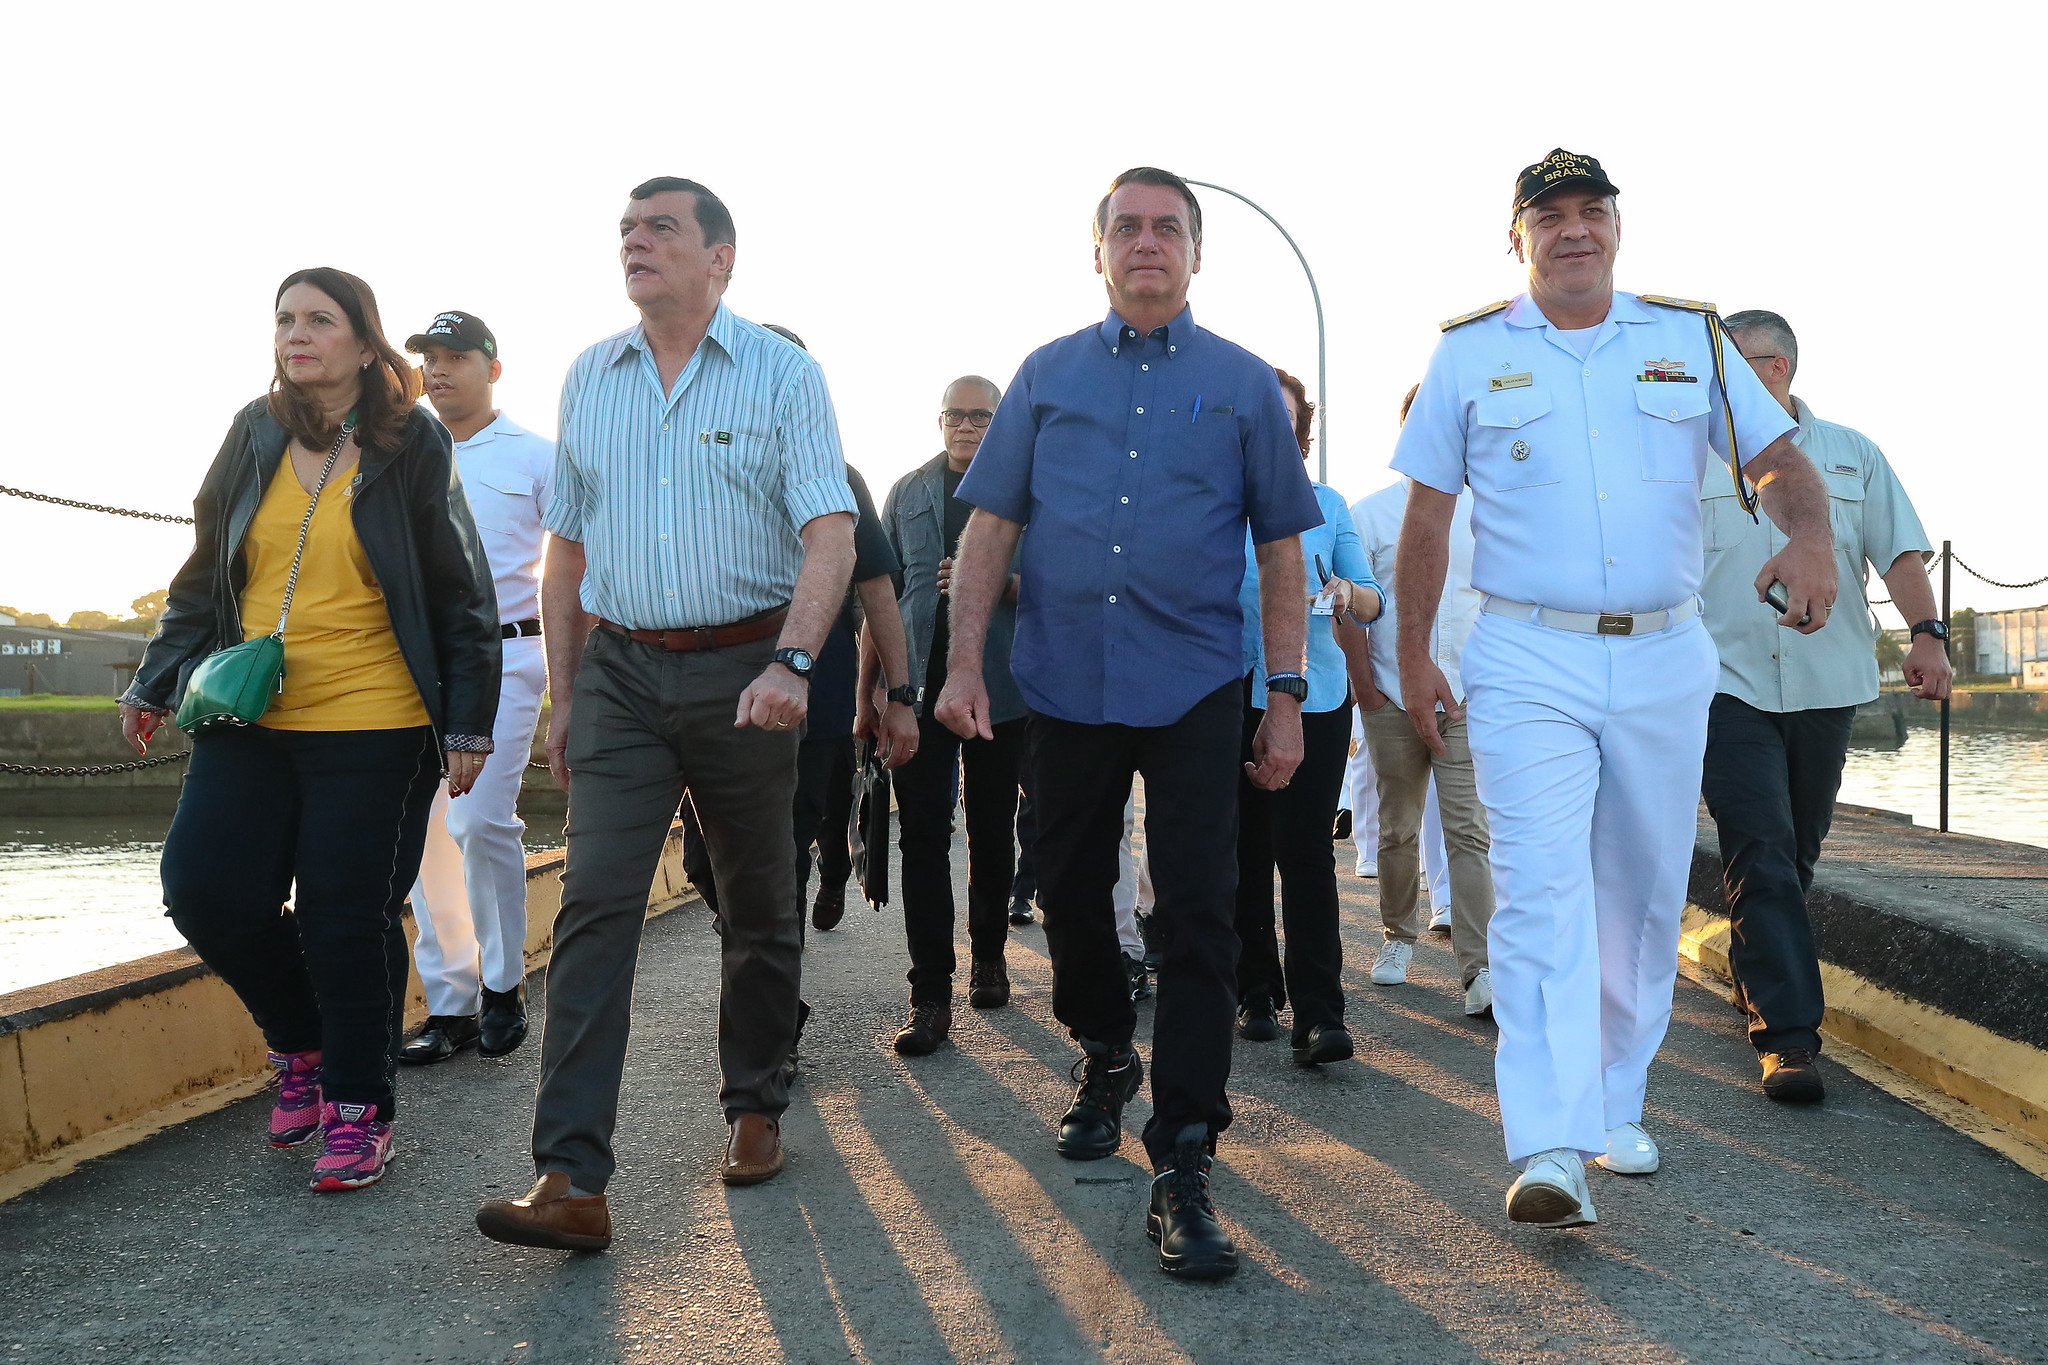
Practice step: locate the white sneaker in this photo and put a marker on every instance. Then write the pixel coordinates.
(1479, 995)
(1367, 868)
(1390, 968)
(1630, 1151)
(1440, 922)
(1552, 1191)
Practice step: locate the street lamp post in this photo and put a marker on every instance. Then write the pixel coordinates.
(1322, 351)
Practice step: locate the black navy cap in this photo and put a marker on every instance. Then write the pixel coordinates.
(1560, 170)
(456, 331)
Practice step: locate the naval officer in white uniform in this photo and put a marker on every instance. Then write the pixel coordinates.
(1582, 419)
(470, 899)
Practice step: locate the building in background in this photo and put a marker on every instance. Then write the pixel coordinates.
(59, 660)
(2013, 644)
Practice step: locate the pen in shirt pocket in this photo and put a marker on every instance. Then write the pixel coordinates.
(1198, 408)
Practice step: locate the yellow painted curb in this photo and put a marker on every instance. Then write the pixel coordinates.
(1991, 1088)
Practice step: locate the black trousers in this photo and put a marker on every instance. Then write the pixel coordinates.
(1770, 781)
(1290, 828)
(1080, 778)
(823, 806)
(343, 815)
(924, 807)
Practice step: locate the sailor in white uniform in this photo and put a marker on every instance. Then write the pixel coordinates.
(1582, 419)
(470, 899)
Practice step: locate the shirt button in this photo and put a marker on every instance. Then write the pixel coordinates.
(1123, 500)
(1144, 367)
(1514, 421)
(1589, 374)
(1603, 497)
(664, 426)
(671, 592)
(1141, 411)
(1117, 548)
(1173, 348)
(1134, 454)
(1610, 562)
(664, 535)
(1596, 431)
(1112, 597)
(1674, 412)
(664, 483)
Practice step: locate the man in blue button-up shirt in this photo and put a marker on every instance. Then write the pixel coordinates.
(1137, 452)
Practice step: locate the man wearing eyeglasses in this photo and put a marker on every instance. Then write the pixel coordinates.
(1778, 729)
(924, 519)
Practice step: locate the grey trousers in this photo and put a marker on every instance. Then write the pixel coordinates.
(646, 725)
(1404, 764)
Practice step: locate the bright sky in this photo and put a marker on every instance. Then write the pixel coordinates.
(912, 187)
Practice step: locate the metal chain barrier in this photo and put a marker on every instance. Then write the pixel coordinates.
(1935, 563)
(95, 770)
(94, 507)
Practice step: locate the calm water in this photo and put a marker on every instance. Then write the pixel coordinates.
(79, 893)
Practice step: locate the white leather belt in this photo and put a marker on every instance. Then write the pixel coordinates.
(1595, 623)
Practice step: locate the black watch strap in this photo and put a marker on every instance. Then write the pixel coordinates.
(1293, 684)
(797, 661)
(905, 694)
(1929, 627)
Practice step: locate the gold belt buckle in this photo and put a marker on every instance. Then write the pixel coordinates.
(1611, 624)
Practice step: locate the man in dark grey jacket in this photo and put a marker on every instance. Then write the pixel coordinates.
(924, 519)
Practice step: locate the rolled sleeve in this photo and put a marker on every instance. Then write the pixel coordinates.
(873, 555)
(813, 467)
(1891, 526)
(562, 512)
(1431, 448)
(999, 479)
(1279, 499)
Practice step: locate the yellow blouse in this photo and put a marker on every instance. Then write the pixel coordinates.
(342, 667)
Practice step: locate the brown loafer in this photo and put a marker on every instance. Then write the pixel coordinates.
(753, 1150)
(549, 1216)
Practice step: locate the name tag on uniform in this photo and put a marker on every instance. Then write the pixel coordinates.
(1842, 469)
(1510, 381)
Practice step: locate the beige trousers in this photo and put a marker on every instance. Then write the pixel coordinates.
(1403, 765)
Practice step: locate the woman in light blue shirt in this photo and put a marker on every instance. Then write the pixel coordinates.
(1290, 828)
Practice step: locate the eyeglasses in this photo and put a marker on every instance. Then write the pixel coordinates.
(1752, 359)
(978, 417)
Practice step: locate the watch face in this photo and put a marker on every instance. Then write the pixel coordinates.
(800, 660)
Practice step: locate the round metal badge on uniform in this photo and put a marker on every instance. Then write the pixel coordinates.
(1520, 450)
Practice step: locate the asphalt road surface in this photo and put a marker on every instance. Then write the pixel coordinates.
(925, 1217)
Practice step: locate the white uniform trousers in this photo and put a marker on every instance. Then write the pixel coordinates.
(1587, 751)
(1133, 891)
(1362, 794)
(470, 899)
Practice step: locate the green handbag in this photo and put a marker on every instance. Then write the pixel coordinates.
(233, 686)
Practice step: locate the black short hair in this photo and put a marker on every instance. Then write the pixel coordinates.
(713, 218)
(1151, 175)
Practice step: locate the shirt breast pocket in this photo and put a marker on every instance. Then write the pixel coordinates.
(738, 468)
(502, 502)
(1673, 429)
(1845, 514)
(1507, 445)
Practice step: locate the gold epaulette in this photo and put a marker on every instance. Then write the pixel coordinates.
(1474, 315)
(1689, 305)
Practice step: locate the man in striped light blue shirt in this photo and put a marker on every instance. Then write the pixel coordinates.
(703, 540)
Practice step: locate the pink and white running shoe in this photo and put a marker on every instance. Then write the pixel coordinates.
(358, 1148)
(296, 1115)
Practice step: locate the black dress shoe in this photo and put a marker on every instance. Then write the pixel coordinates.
(1324, 1043)
(1094, 1126)
(1258, 1021)
(1192, 1243)
(1140, 979)
(988, 983)
(1020, 910)
(503, 1023)
(1155, 951)
(930, 1024)
(1792, 1077)
(441, 1037)
(830, 906)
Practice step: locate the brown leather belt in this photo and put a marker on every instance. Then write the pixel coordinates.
(705, 637)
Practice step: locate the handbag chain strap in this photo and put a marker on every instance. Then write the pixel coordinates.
(291, 583)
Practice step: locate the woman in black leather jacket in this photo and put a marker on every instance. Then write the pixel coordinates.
(392, 655)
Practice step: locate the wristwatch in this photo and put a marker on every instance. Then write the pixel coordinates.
(1934, 628)
(1293, 684)
(905, 694)
(797, 661)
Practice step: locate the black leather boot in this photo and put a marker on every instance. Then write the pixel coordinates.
(1094, 1126)
(1192, 1243)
